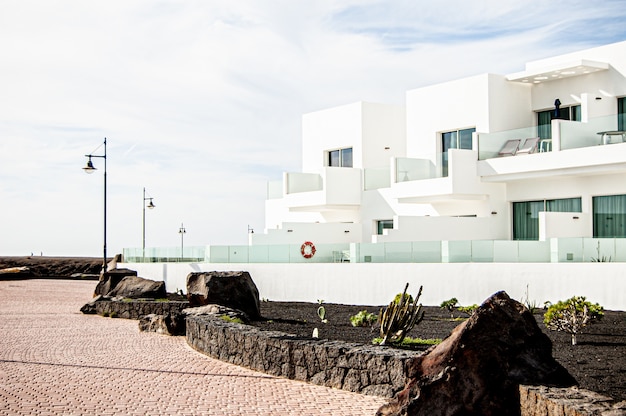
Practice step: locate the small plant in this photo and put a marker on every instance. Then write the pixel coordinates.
(468, 310)
(232, 320)
(399, 297)
(449, 305)
(531, 305)
(599, 259)
(399, 318)
(113, 315)
(363, 318)
(572, 315)
(321, 313)
(408, 341)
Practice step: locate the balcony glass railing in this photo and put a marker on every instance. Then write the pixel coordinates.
(574, 134)
(411, 169)
(565, 135)
(556, 250)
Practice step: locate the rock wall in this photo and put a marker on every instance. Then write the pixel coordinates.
(379, 371)
(137, 309)
(552, 401)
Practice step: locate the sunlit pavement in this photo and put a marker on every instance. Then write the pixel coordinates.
(56, 361)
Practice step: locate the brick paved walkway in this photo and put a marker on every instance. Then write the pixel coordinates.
(56, 361)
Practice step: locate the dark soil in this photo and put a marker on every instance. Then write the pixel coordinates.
(598, 362)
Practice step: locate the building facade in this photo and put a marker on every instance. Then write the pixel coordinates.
(534, 155)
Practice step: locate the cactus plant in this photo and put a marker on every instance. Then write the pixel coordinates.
(397, 319)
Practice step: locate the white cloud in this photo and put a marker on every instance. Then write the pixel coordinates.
(201, 100)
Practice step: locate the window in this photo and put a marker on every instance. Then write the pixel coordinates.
(621, 113)
(383, 224)
(544, 119)
(609, 216)
(526, 215)
(457, 139)
(340, 158)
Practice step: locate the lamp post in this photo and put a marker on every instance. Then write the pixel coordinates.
(89, 168)
(150, 206)
(182, 232)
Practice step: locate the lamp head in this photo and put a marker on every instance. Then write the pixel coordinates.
(150, 204)
(90, 168)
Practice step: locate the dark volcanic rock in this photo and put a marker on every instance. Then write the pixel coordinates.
(173, 324)
(477, 370)
(138, 287)
(232, 289)
(110, 279)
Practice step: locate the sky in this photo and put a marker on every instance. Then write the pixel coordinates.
(201, 101)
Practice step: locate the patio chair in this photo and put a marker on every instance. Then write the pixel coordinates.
(510, 148)
(529, 146)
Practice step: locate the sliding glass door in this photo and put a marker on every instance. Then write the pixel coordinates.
(526, 215)
(609, 216)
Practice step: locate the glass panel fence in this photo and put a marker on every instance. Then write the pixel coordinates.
(479, 251)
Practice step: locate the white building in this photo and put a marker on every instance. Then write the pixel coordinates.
(446, 192)
(488, 157)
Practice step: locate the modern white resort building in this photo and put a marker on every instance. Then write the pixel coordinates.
(514, 182)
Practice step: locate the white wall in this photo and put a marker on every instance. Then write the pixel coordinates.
(564, 225)
(366, 127)
(384, 134)
(443, 228)
(319, 233)
(444, 107)
(377, 284)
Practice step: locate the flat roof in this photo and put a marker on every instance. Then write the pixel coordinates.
(558, 71)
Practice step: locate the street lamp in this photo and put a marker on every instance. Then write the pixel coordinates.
(182, 232)
(90, 168)
(150, 206)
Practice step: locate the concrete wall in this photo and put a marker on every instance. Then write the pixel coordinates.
(378, 283)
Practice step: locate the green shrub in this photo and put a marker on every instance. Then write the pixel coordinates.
(398, 297)
(468, 310)
(449, 305)
(363, 318)
(227, 318)
(572, 315)
(408, 341)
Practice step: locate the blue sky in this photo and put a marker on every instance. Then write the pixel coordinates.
(201, 101)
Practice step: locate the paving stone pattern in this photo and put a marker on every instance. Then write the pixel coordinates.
(54, 360)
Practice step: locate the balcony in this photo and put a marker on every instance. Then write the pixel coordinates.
(573, 148)
(423, 181)
(332, 189)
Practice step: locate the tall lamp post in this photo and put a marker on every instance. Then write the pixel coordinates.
(90, 168)
(150, 206)
(182, 232)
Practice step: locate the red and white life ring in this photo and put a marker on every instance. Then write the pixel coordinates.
(307, 249)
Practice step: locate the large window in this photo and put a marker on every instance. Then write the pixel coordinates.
(457, 139)
(544, 119)
(340, 158)
(621, 113)
(526, 215)
(609, 216)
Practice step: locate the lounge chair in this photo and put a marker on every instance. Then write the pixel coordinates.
(510, 148)
(529, 146)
